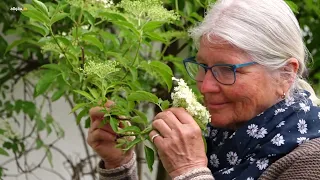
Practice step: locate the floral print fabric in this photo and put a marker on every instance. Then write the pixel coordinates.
(245, 153)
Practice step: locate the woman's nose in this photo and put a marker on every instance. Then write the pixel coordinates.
(209, 84)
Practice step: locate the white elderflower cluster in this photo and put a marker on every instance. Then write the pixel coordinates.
(149, 9)
(183, 96)
(105, 3)
(100, 68)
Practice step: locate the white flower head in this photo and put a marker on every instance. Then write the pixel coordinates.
(232, 158)
(278, 140)
(301, 140)
(302, 126)
(262, 163)
(304, 107)
(214, 160)
(183, 96)
(100, 68)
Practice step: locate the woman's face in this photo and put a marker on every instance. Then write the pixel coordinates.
(231, 105)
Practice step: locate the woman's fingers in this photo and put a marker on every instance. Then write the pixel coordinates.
(169, 118)
(161, 126)
(156, 138)
(99, 136)
(183, 116)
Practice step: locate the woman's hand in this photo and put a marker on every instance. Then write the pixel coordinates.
(180, 145)
(102, 139)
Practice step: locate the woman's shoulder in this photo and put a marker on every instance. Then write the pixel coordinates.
(301, 163)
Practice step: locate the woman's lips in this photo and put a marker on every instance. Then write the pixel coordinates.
(216, 106)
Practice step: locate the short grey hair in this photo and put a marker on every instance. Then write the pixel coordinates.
(267, 30)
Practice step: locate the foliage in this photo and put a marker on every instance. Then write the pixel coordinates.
(90, 51)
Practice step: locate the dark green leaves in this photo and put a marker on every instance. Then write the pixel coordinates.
(143, 96)
(149, 157)
(3, 152)
(45, 81)
(159, 70)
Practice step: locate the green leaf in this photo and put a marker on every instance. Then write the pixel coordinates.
(94, 93)
(138, 120)
(108, 36)
(41, 7)
(85, 94)
(39, 143)
(78, 106)
(132, 143)
(89, 17)
(58, 94)
(152, 25)
(49, 156)
(15, 43)
(3, 152)
(82, 114)
(34, 14)
(143, 96)
(58, 17)
(87, 123)
(133, 129)
(93, 40)
(293, 6)
(154, 36)
(37, 28)
(163, 71)
(141, 115)
(52, 67)
(149, 157)
(45, 81)
(165, 104)
(114, 123)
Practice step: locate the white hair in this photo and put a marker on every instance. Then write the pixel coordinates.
(267, 30)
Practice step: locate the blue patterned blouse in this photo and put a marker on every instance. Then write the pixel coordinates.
(245, 153)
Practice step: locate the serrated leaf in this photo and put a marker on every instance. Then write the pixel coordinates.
(141, 115)
(154, 36)
(94, 93)
(108, 36)
(89, 17)
(133, 129)
(149, 157)
(152, 25)
(114, 124)
(85, 94)
(138, 120)
(143, 96)
(58, 17)
(78, 106)
(93, 40)
(15, 43)
(35, 14)
(3, 152)
(37, 28)
(163, 71)
(45, 81)
(41, 7)
(52, 67)
(133, 143)
(58, 94)
(82, 114)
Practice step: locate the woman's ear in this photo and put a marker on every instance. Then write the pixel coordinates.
(288, 74)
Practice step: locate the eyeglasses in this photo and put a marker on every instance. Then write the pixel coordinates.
(223, 73)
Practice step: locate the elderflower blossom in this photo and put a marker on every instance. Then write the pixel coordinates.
(149, 9)
(183, 96)
(100, 69)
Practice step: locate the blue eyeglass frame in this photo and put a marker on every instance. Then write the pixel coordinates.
(234, 67)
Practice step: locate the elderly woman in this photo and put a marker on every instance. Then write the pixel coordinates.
(264, 118)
